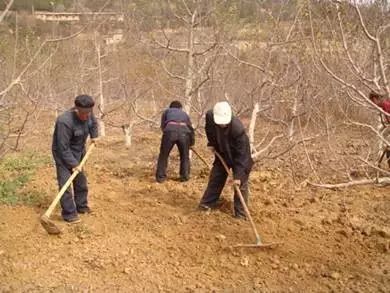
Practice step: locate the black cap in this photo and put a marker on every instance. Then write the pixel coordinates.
(176, 104)
(84, 101)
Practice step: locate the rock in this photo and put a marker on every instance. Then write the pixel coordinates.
(299, 222)
(264, 176)
(244, 261)
(127, 271)
(366, 230)
(381, 231)
(220, 237)
(326, 221)
(356, 223)
(383, 246)
(343, 232)
(335, 275)
(275, 261)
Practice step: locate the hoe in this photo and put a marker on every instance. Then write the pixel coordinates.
(258, 243)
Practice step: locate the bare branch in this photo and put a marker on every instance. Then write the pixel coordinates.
(258, 153)
(35, 56)
(7, 8)
(170, 73)
(382, 180)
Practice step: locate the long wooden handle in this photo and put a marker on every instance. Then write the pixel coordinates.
(237, 189)
(68, 182)
(201, 158)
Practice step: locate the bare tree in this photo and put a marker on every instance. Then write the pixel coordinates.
(197, 53)
(352, 50)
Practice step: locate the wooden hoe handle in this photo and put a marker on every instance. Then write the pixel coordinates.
(258, 240)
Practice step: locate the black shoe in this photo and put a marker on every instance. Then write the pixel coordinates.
(212, 205)
(240, 216)
(160, 180)
(73, 220)
(85, 210)
(184, 179)
(204, 207)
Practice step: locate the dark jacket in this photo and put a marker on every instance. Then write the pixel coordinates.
(70, 135)
(177, 115)
(232, 143)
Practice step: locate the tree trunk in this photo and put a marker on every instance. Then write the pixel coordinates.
(102, 127)
(293, 116)
(127, 131)
(382, 130)
(252, 126)
(190, 66)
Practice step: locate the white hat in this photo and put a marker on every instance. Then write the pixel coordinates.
(222, 113)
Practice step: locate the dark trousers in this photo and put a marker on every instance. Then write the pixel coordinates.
(169, 139)
(217, 180)
(70, 204)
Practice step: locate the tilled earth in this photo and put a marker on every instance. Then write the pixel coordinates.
(145, 236)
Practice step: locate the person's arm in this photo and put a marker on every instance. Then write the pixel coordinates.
(163, 120)
(192, 131)
(63, 136)
(240, 145)
(210, 130)
(93, 127)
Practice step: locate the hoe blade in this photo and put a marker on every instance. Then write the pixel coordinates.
(49, 226)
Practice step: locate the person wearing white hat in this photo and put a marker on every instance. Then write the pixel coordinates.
(226, 135)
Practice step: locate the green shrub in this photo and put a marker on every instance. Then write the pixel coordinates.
(15, 173)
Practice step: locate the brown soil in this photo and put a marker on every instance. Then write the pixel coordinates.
(145, 236)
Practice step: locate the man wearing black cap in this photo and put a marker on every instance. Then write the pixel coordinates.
(177, 130)
(71, 132)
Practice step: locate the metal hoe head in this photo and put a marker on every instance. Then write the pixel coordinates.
(49, 226)
(260, 244)
(271, 245)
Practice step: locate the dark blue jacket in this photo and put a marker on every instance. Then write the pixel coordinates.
(70, 135)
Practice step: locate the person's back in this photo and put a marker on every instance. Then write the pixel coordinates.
(231, 142)
(177, 130)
